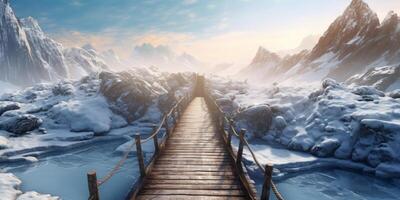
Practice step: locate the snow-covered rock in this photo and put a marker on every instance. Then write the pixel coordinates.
(21, 124)
(36, 196)
(9, 190)
(357, 123)
(257, 119)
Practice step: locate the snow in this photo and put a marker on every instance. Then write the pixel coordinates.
(49, 119)
(9, 190)
(84, 115)
(9, 186)
(354, 127)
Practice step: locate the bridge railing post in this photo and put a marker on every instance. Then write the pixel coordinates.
(155, 140)
(222, 121)
(240, 149)
(231, 126)
(266, 190)
(92, 184)
(139, 155)
(166, 126)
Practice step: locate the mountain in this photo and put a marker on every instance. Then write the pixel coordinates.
(306, 43)
(263, 64)
(29, 56)
(353, 44)
(164, 58)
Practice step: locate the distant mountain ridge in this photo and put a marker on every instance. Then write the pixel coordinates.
(28, 55)
(353, 44)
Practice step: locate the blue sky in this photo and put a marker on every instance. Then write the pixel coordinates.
(214, 30)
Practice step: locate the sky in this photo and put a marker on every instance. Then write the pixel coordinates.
(214, 31)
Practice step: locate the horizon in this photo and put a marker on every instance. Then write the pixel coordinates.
(213, 32)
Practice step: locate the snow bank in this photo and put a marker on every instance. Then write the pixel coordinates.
(9, 190)
(55, 116)
(356, 123)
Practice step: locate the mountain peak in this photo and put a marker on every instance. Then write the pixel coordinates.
(31, 23)
(263, 56)
(357, 23)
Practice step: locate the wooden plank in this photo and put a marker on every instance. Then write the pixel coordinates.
(188, 182)
(185, 197)
(190, 177)
(195, 192)
(197, 173)
(192, 187)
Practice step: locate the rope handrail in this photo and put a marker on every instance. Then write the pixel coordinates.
(117, 166)
(246, 143)
(111, 173)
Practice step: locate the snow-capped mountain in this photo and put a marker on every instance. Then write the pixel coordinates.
(82, 62)
(263, 64)
(28, 55)
(163, 57)
(354, 43)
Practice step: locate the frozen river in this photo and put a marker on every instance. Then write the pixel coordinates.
(65, 176)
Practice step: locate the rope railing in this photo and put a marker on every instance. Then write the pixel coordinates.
(94, 184)
(222, 121)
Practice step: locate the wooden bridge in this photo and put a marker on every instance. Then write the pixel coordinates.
(194, 159)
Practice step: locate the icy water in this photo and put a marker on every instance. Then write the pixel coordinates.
(65, 175)
(338, 185)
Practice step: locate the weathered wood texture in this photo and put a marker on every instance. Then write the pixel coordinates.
(194, 163)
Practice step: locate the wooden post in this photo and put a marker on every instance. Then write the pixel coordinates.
(155, 139)
(166, 124)
(267, 183)
(139, 154)
(222, 121)
(92, 184)
(230, 132)
(240, 149)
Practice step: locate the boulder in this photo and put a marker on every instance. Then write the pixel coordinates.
(8, 107)
(128, 95)
(227, 105)
(367, 90)
(325, 147)
(257, 118)
(62, 89)
(21, 124)
(301, 142)
(395, 94)
(330, 83)
(380, 154)
(280, 123)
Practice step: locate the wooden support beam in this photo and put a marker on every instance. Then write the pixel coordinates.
(231, 126)
(166, 126)
(92, 184)
(155, 140)
(140, 156)
(240, 149)
(266, 190)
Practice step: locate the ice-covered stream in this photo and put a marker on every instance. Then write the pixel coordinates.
(65, 175)
(338, 185)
